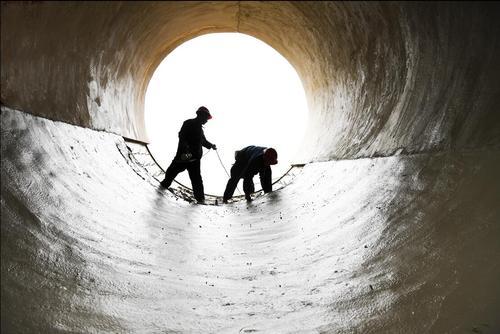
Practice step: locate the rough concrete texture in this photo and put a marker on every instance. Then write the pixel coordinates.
(394, 228)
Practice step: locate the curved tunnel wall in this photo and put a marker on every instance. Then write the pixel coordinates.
(405, 243)
(380, 78)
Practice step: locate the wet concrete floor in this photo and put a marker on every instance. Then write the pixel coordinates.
(382, 245)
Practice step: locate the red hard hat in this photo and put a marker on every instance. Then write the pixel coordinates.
(203, 111)
(271, 156)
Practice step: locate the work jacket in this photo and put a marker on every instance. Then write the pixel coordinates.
(250, 161)
(191, 139)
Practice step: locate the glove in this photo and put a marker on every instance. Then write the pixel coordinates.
(186, 156)
(214, 147)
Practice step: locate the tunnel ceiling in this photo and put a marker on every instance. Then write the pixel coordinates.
(380, 78)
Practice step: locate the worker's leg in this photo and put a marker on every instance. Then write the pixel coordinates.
(248, 187)
(196, 180)
(233, 181)
(230, 188)
(172, 171)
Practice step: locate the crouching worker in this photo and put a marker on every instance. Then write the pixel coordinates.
(189, 153)
(250, 161)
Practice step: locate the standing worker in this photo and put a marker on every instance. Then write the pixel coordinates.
(250, 161)
(189, 153)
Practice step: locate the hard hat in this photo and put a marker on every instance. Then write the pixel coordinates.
(203, 111)
(271, 156)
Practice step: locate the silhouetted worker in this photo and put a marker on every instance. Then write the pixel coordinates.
(189, 153)
(250, 161)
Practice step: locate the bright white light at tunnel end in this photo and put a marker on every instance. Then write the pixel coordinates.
(253, 93)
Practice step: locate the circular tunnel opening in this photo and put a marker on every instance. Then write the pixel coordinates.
(253, 93)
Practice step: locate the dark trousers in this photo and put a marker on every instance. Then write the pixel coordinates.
(236, 175)
(193, 169)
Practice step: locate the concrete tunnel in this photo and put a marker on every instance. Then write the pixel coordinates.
(392, 225)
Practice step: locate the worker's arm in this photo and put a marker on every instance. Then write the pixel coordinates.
(206, 143)
(266, 179)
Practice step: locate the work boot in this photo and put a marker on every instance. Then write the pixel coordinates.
(248, 197)
(200, 200)
(164, 184)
